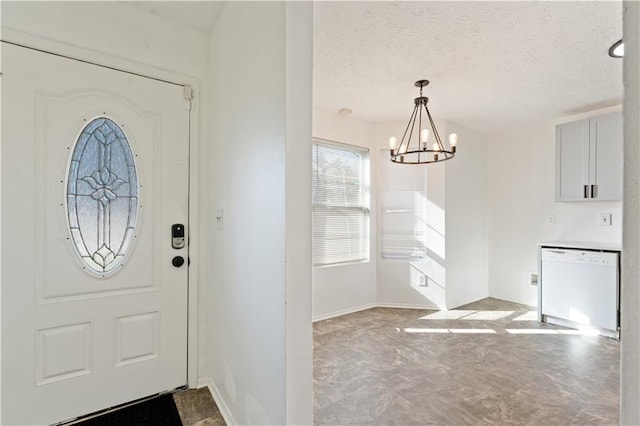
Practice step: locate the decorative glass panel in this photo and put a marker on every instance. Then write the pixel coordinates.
(102, 196)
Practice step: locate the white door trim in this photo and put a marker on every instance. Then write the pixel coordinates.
(105, 60)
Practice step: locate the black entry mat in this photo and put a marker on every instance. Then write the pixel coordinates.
(158, 411)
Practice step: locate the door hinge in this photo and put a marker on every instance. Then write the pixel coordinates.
(187, 92)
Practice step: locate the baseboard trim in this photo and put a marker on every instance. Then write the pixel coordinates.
(409, 306)
(218, 399)
(344, 312)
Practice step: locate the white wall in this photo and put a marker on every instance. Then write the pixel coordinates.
(299, 330)
(466, 208)
(398, 284)
(521, 199)
(630, 355)
(114, 28)
(256, 345)
(521, 194)
(346, 288)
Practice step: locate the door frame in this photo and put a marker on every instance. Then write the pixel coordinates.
(195, 154)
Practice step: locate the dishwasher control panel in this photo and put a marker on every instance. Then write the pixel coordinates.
(579, 256)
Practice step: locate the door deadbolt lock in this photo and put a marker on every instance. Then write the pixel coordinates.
(177, 261)
(177, 236)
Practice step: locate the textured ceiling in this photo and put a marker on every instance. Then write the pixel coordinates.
(493, 66)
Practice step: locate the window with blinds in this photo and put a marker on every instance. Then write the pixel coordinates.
(340, 203)
(404, 211)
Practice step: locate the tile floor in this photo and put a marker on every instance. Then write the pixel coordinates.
(489, 362)
(196, 408)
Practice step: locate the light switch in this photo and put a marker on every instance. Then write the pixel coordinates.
(219, 219)
(422, 280)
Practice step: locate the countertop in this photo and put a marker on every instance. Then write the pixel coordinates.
(587, 245)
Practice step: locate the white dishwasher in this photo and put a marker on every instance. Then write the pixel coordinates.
(581, 287)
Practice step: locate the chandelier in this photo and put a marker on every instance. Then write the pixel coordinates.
(418, 149)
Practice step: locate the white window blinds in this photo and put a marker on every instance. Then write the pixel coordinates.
(340, 203)
(404, 210)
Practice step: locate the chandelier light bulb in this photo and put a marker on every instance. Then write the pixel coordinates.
(453, 139)
(436, 147)
(393, 142)
(425, 135)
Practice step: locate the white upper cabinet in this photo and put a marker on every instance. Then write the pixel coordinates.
(572, 161)
(606, 146)
(589, 159)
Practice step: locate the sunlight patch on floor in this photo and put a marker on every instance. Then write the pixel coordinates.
(449, 330)
(448, 315)
(488, 315)
(584, 332)
(468, 315)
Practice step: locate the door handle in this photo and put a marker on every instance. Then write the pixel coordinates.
(593, 191)
(177, 261)
(586, 195)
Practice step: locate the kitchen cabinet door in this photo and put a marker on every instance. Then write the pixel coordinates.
(572, 161)
(606, 145)
(589, 159)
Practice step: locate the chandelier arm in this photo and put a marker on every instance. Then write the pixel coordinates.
(413, 125)
(435, 130)
(419, 129)
(411, 119)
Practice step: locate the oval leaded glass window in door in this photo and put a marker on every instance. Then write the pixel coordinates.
(102, 195)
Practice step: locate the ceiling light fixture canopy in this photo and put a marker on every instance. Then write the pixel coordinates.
(617, 49)
(418, 149)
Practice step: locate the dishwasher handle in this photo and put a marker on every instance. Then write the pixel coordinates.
(555, 251)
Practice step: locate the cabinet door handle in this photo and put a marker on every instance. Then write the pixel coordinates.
(593, 191)
(586, 194)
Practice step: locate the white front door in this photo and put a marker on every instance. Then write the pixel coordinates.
(94, 176)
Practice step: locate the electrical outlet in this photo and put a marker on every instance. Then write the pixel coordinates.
(533, 278)
(605, 219)
(551, 219)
